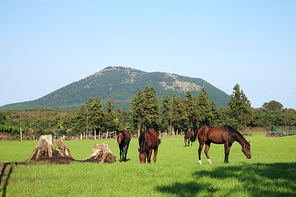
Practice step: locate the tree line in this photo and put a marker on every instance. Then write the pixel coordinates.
(171, 115)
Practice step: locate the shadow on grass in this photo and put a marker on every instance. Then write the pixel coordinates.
(187, 189)
(277, 179)
(5, 183)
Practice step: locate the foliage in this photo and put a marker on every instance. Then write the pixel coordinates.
(272, 105)
(145, 109)
(239, 108)
(207, 109)
(267, 119)
(165, 110)
(179, 114)
(192, 111)
(189, 113)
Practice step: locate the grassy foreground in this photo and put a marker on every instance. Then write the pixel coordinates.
(270, 172)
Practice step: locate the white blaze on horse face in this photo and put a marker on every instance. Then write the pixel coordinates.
(209, 161)
(199, 161)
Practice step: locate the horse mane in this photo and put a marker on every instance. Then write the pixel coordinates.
(142, 140)
(235, 134)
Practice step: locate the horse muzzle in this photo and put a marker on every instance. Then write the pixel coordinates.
(142, 161)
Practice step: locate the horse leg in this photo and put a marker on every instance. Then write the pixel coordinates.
(227, 150)
(199, 151)
(125, 151)
(185, 140)
(207, 150)
(120, 152)
(149, 155)
(155, 153)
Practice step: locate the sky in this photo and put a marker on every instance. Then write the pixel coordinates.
(48, 44)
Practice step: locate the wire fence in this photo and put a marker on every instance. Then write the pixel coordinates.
(281, 131)
(82, 136)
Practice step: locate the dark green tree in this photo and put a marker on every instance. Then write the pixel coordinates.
(137, 106)
(165, 110)
(179, 114)
(79, 123)
(204, 107)
(272, 105)
(214, 112)
(192, 111)
(151, 108)
(109, 120)
(94, 113)
(239, 108)
(2, 118)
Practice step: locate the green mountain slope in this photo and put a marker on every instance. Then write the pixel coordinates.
(121, 84)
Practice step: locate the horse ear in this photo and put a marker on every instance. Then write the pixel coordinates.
(249, 142)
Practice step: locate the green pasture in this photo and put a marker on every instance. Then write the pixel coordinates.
(270, 172)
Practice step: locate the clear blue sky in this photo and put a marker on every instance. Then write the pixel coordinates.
(48, 44)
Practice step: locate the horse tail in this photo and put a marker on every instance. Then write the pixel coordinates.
(193, 138)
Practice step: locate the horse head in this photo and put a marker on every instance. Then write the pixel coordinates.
(120, 137)
(142, 156)
(246, 148)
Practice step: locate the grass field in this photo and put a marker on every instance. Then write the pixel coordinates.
(270, 172)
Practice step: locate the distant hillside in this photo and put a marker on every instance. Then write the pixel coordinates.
(121, 84)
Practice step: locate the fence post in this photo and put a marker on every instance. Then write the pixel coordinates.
(21, 134)
(95, 134)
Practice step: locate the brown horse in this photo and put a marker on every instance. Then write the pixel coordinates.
(187, 137)
(148, 141)
(220, 135)
(123, 140)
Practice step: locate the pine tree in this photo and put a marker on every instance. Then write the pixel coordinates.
(145, 109)
(109, 119)
(204, 108)
(94, 112)
(137, 106)
(179, 114)
(151, 108)
(165, 110)
(239, 107)
(192, 110)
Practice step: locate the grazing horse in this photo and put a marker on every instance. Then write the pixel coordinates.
(148, 141)
(220, 135)
(187, 137)
(123, 140)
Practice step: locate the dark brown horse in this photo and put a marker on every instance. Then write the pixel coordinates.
(220, 135)
(148, 141)
(187, 137)
(123, 140)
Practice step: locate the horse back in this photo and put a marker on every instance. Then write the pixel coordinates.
(123, 138)
(152, 139)
(217, 135)
(127, 136)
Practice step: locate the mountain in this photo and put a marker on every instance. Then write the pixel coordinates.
(121, 83)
